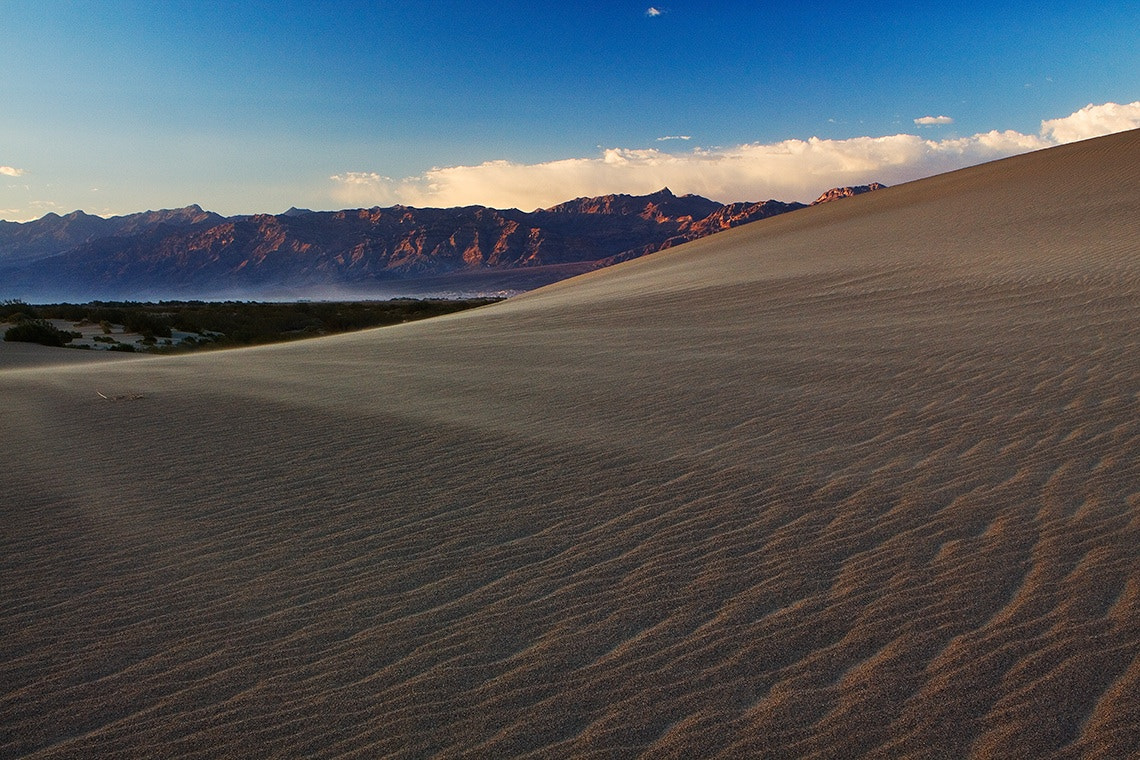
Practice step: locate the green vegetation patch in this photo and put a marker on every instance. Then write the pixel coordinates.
(208, 324)
(39, 331)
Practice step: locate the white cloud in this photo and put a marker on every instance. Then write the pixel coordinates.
(930, 121)
(787, 170)
(653, 12)
(11, 171)
(366, 179)
(18, 215)
(674, 137)
(1093, 121)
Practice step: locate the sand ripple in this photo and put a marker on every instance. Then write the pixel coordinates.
(859, 481)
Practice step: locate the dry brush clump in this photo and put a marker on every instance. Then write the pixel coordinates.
(206, 324)
(39, 331)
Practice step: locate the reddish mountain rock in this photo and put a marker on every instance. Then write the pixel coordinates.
(836, 193)
(192, 253)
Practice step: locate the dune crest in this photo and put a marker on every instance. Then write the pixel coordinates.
(855, 481)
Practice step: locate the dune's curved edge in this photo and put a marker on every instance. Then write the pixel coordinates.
(856, 481)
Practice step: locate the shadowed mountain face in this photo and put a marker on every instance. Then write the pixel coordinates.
(54, 234)
(858, 481)
(191, 253)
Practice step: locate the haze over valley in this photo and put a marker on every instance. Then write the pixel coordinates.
(398, 251)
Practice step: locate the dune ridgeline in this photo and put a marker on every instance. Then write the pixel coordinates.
(859, 480)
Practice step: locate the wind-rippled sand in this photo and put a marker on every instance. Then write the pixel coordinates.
(857, 481)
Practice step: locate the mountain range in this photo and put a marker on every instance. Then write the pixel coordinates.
(376, 252)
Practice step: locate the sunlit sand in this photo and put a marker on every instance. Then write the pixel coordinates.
(860, 480)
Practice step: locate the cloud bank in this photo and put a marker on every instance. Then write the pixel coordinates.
(1092, 121)
(11, 171)
(787, 170)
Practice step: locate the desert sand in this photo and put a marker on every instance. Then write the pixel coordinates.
(861, 480)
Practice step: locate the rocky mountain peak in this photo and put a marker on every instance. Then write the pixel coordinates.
(190, 252)
(836, 193)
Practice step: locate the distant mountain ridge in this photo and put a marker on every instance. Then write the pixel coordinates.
(53, 234)
(193, 253)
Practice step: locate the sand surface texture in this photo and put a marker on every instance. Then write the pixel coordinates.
(857, 481)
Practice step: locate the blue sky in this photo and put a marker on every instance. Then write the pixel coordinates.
(115, 107)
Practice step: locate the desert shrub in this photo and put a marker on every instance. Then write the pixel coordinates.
(234, 323)
(39, 331)
(149, 325)
(15, 310)
(72, 312)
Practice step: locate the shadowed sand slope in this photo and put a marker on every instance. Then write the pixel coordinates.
(860, 480)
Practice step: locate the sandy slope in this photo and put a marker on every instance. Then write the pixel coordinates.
(860, 480)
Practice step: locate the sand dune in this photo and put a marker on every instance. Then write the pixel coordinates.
(856, 481)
